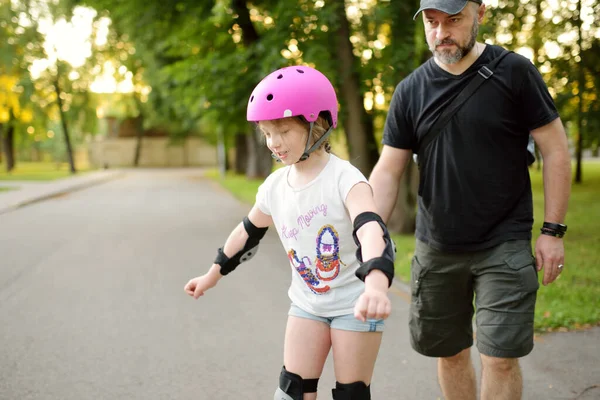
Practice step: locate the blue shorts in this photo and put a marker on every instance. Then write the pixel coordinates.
(346, 322)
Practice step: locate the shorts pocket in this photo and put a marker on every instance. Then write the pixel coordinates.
(523, 263)
(417, 274)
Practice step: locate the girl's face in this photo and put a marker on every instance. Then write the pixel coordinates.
(286, 138)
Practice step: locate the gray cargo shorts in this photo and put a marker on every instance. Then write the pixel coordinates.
(505, 283)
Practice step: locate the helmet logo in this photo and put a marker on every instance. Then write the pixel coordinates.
(287, 113)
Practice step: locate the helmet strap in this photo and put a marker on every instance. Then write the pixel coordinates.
(316, 145)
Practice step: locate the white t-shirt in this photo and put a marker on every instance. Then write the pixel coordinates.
(316, 232)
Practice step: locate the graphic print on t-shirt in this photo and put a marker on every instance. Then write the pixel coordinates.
(327, 261)
(305, 272)
(328, 253)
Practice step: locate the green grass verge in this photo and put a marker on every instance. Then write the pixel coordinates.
(573, 301)
(6, 189)
(242, 188)
(37, 171)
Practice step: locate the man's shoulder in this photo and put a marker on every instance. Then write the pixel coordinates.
(513, 58)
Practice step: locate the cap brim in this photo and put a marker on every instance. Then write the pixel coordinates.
(447, 10)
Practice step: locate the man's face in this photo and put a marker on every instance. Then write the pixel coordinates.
(451, 37)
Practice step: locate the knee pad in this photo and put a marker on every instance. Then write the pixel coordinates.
(293, 387)
(351, 391)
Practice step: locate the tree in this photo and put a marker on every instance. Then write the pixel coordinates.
(20, 45)
(562, 42)
(61, 111)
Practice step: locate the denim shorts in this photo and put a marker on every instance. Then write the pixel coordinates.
(342, 322)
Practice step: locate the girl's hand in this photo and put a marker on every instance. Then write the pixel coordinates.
(197, 286)
(373, 304)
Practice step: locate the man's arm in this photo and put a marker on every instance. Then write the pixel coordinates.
(385, 179)
(552, 142)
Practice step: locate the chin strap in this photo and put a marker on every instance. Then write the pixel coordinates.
(317, 144)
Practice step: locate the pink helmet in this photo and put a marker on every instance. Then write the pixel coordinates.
(293, 91)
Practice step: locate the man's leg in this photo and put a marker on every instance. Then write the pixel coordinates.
(457, 376)
(505, 285)
(501, 378)
(441, 314)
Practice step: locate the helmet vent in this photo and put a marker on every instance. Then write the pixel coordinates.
(251, 99)
(300, 71)
(269, 97)
(280, 76)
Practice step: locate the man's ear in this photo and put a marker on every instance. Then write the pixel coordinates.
(480, 12)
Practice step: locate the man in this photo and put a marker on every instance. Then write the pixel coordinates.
(475, 218)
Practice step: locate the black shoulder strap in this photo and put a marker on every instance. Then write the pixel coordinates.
(485, 72)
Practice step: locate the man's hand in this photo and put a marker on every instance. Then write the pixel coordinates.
(550, 255)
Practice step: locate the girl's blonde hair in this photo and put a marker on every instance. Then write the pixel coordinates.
(320, 126)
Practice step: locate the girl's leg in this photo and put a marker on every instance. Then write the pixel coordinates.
(307, 343)
(354, 355)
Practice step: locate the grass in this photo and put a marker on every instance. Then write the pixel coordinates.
(37, 171)
(240, 187)
(6, 189)
(573, 300)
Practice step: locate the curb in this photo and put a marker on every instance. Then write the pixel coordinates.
(60, 192)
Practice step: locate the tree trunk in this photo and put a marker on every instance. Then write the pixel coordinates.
(242, 153)
(259, 162)
(581, 88)
(358, 125)
(139, 125)
(221, 152)
(138, 143)
(63, 121)
(403, 218)
(536, 47)
(8, 144)
(252, 151)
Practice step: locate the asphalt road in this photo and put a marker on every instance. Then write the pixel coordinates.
(92, 306)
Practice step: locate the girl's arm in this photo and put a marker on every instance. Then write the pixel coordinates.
(238, 237)
(234, 244)
(370, 235)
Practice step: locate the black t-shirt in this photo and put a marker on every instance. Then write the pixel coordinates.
(475, 190)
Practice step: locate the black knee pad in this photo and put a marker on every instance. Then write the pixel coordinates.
(351, 391)
(293, 387)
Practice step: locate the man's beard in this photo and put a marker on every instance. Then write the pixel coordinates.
(447, 56)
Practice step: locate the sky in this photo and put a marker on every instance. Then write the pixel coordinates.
(72, 42)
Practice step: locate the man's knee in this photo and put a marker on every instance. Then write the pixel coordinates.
(462, 358)
(499, 365)
(351, 391)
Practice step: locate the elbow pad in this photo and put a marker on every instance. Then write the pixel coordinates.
(384, 263)
(250, 248)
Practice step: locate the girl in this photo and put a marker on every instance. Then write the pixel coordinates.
(322, 208)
